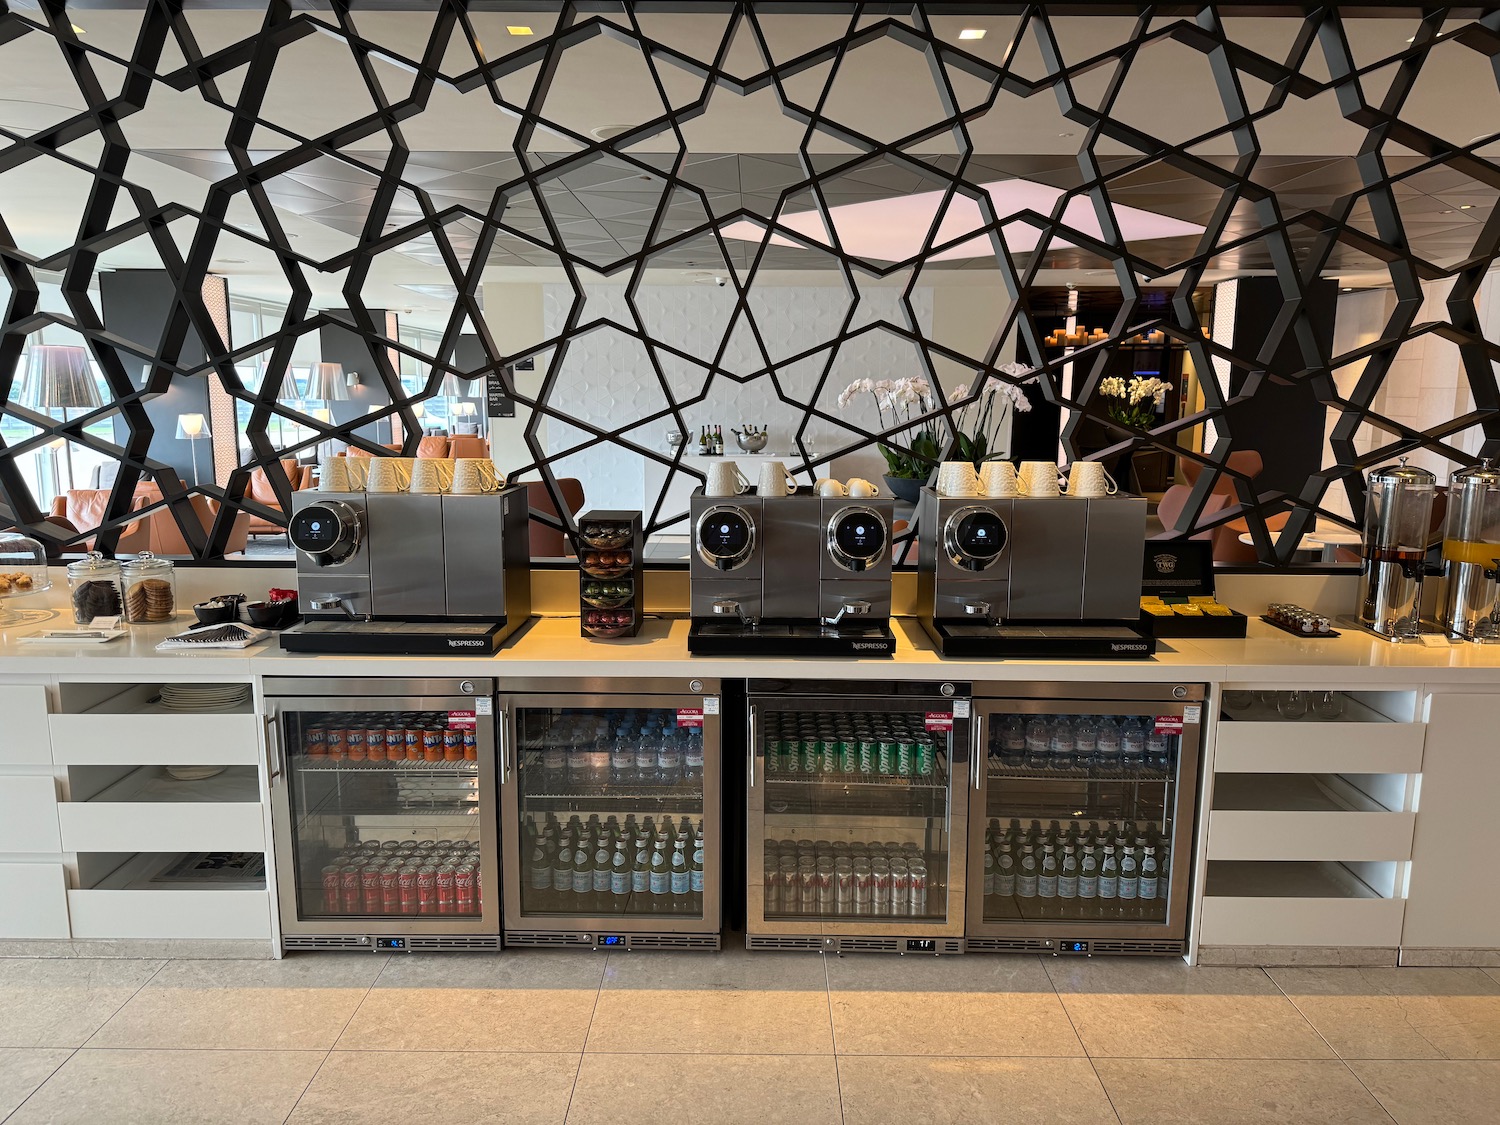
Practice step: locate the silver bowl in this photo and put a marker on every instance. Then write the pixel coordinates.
(676, 438)
(751, 443)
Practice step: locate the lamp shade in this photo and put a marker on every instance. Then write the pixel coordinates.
(58, 378)
(289, 390)
(418, 410)
(321, 414)
(455, 387)
(192, 426)
(465, 409)
(327, 383)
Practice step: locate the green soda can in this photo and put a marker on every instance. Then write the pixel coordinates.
(906, 752)
(810, 755)
(828, 755)
(926, 757)
(869, 754)
(775, 753)
(848, 755)
(885, 762)
(791, 763)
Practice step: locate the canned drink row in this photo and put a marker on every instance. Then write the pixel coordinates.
(402, 889)
(386, 739)
(865, 755)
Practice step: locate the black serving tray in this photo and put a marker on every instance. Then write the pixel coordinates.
(720, 638)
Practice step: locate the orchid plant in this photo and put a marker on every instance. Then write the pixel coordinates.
(1133, 403)
(986, 412)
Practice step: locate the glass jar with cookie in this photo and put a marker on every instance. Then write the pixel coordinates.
(150, 587)
(94, 588)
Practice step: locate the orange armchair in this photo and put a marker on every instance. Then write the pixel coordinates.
(433, 446)
(548, 542)
(261, 492)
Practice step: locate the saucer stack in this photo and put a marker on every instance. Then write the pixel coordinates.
(204, 697)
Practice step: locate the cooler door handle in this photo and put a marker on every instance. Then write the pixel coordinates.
(501, 723)
(754, 740)
(275, 757)
(975, 732)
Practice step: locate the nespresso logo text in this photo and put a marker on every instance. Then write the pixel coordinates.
(454, 642)
(861, 646)
(1127, 646)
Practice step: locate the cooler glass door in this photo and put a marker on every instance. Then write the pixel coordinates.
(382, 815)
(857, 813)
(1069, 797)
(611, 813)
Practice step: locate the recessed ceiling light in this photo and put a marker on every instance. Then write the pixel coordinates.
(1449, 211)
(1466, 206)
(1065, 134)
(229, 261)
(519, 29)
(77, 30)
(1413, 39)
(1347, 289)
(971, 33)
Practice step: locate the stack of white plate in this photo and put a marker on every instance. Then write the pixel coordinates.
(204, 697)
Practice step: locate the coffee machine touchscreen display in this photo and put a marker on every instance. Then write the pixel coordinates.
(981, 535)
(860, 536)
(314, 528)
(726, 535)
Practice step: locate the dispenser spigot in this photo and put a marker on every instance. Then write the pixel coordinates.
(848, 609)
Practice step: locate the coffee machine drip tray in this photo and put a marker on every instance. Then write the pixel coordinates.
(397, 638)
(796, 638)
(1040, 639)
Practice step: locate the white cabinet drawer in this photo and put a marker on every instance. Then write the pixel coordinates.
(37, 898)
(28, 814)
(25, 739)
(126, 826)
(1279, 835)
(1367, 922)
(160, 737)
(1318, 747)
(170, 914)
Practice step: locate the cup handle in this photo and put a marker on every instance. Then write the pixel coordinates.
(791, 485)
(1110, 487)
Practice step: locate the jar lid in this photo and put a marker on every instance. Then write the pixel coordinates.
(147, 563)
(93, 563)
(1407, 476)
(1484, 475)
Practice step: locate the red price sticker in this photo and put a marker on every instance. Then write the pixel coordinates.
(690, 716)
(460, 720)
(1169, 724)
(939, 722)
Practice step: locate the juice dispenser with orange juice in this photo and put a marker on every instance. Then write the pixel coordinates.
(1470, 602)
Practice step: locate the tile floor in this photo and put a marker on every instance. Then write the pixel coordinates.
(739, 1037)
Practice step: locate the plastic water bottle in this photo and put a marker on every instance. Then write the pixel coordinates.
(1012, 742)
(669, 758)
(1133, 745)
(555, 759)
(1085, 742)
(622, 756)
(1038, 745)
(598, 758)
(645, 756)
(1108, 745)
(1159, 751)
(580, 748)
(692, 758)
(1060, 744)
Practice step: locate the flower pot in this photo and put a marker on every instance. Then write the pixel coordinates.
(908, 489)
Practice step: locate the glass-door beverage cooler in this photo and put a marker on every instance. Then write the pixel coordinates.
(857, 815)
(1081, 830)
(610, 812)
(383, 799)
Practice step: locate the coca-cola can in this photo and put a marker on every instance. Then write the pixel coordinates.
(390, 890)
(843, 888)
(471, 745)
(880, 887)
(369, 888)
(864, 888)
(807, 886)
(479, 887)
(432, 744)
(408, 847)
(315, 742)
(900, 887)
(427, 892)
(447, 889)
(916, 895)
(463, 882)
(332, 896)
(406, 889)
(337, 739)
(825, 886)
(349, 896)
(453, 745)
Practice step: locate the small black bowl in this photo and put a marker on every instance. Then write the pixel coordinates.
(268, 615)
(213, 614)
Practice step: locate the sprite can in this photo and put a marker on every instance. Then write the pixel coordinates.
(925, 757)
(848, 756)
(885, 762)
(775, 752)
(828, 755)
(906, 751)
(869, 753)
(809, 746)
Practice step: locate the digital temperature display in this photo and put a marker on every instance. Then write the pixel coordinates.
(611, 939)
(921, 945)
(1073, 947)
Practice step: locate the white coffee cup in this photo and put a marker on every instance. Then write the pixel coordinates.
(725, 479)
(333, 475)
(1039, 478)
(426, 476)
(957, 478)
(477, 474)
(998, 478)
(775, 480)
(830, 487)
(1090, 479)
(862, 489)
(358, 469)
(385, 475)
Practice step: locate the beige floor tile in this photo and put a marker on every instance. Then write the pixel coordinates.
(374, 1088)
(513, 1001)
(723, 1089)
(1435, 1093)
(1236, 1092)
(298, 1004)
(1399, 1013)
(1166, 1010)
(61, 1002)
(961, 1091)
(976, 973)
(23, 1069)
(171, 1087)
(1493, 974)
(734, 968)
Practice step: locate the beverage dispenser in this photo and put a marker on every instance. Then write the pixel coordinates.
(1398, 520)
(1470, 602)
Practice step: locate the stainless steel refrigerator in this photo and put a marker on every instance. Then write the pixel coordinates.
(1082, 817)
(383, 800)
(857, 805)
(610, 810)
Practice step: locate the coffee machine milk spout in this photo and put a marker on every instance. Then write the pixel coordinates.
(723, 607)
(853, 608)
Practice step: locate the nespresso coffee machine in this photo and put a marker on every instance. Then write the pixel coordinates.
(409, 573)
(1032, 576)
(799, 575)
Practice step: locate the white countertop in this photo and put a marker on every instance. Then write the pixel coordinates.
(552, 647)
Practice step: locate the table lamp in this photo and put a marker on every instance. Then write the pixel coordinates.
(193, 428)
(58, 377)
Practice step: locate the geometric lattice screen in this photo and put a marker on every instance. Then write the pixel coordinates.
(333, 149)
